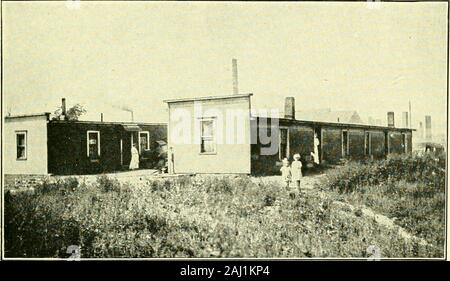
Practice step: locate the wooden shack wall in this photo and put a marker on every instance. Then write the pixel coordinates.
(67, 146)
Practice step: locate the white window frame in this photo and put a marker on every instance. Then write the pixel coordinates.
(87, 142)
(148, 139)
(213, 137)
(287, 143)
(25, 133)
(369, 145)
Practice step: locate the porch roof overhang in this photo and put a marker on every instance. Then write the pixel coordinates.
(131, 127)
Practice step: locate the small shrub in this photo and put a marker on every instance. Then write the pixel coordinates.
(269, 200)
(107, 184)
(219, 184)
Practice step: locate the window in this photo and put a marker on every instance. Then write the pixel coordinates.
(93, 144)
(284, 144)
(21, 145)
(207, 140)
(144, 141)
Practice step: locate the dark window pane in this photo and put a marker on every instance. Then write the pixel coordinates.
(207, 145)
(20, 152)
(207, 128)
(20, 139)
(283, 143)
(143, 140)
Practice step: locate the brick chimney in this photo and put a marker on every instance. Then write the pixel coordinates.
(428, 135)
(390, 119)
(289, 108)
(63, 109)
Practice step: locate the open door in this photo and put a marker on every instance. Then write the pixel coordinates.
(386, 143)
(345, 150)
(317, 145)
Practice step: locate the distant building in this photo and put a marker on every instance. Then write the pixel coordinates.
(328, 115)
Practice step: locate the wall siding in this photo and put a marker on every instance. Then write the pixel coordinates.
(229, 157)
(301, 140)
(67, 147)
(331, 144)
(36, 162)
(396, 142)
(378, 144)
(356, 144)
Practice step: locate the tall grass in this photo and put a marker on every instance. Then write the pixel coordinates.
(189, 217)
(410, 189)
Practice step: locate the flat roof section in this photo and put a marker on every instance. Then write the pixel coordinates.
(105, 123)
(28, 115)
(332, 124)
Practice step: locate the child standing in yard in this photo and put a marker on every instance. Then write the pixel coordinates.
(286, 173)
(296, 171)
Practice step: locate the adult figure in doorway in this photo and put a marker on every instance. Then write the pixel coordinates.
(134, 163)
(315, 154)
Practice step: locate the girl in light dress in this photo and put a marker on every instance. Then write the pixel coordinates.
(296, 171)
(286, 173)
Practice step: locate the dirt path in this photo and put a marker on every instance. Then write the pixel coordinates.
(309, 184)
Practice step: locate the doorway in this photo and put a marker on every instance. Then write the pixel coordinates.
(284, 143)
(345, 148)
(318, 142)
(386, 143)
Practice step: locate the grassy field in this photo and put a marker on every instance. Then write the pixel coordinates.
(209, 216)
(408, 189)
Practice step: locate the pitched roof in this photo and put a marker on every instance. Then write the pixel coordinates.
(208, 98)
(328, 115)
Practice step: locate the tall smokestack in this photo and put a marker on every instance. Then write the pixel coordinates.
(405, 120)
(421, 130)
(101, 117)
(428, 135)
(410, 114)
(63, 109)
(390, 119)
(289, 108)
(235, 77)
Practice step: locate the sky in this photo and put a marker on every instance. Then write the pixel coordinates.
(343, 56)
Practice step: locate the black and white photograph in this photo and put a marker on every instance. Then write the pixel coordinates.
(143, 130)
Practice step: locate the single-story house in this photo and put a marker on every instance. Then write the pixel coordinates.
(222, 134)
(34, 144)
